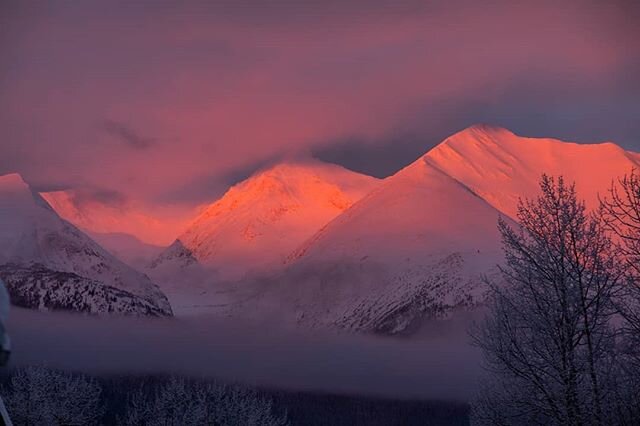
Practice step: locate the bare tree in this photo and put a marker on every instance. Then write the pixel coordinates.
(42, 396)
(181, 402)
(621, 212)
(547, 339)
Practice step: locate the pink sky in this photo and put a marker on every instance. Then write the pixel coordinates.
(158, 102)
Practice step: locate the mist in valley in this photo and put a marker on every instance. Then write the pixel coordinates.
(437, 363)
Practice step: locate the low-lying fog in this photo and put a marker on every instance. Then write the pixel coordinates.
(438, 364)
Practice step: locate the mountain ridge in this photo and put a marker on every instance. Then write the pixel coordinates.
(32, 235)
(414, 225)
(426, 233)
(490, 159)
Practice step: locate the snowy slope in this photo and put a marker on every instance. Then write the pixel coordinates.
(259, 221)
(37, 287)
(418, 244)
(414, 247)
(32, 235)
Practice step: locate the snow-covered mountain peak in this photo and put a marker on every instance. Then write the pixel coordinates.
(291, 185)
(20, 209)
(260, 220)
(13, 191)
(16, 193)
(12, 181)
(501, 166)
(283, 181)
(478, 130)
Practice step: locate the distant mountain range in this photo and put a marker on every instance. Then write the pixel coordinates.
(320, 245)
(419, 244)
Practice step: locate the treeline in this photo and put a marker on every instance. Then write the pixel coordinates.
(561, 340)
(43, 396)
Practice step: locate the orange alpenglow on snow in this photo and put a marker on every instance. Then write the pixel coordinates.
(95, 217)
(261, 220)
(452, 196)
(500, 166)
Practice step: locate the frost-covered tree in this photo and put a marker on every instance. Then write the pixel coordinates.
(621, 212)
(43, 396)
(547, 340)
(175, 403)
(182, 402)
(236, 405)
